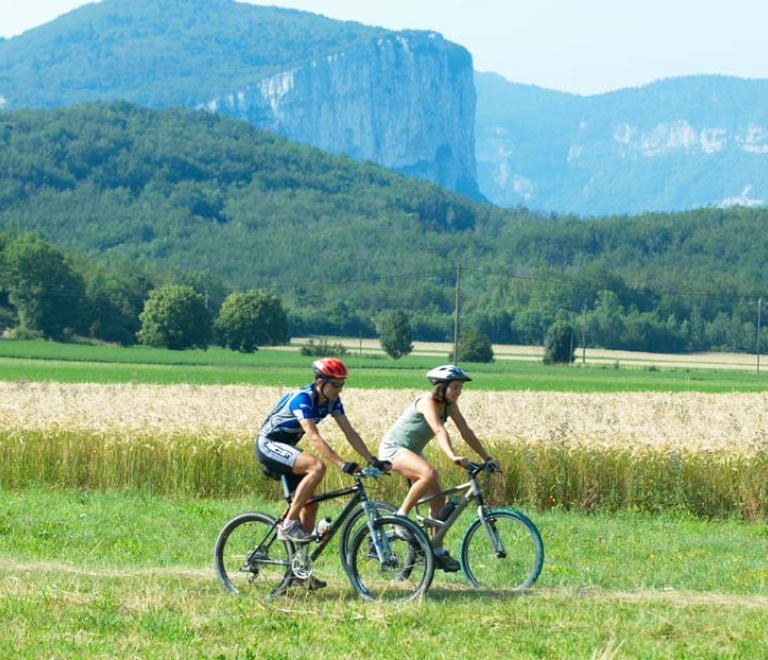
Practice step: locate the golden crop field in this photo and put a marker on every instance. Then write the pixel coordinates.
(690, 422)
(707, 453)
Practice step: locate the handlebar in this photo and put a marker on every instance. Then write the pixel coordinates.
(476, 468)
(370, 472)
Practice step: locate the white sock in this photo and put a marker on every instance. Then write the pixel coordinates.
(400, 512)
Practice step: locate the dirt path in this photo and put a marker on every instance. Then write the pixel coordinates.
(10, 570)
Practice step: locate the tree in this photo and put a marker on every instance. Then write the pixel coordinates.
(474, 346)
(175, 317)
(395, 334)
(558, 345)
(116, 296)
(46, 291)
(252, 318)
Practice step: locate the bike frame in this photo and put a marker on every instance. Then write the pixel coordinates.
(360, 496)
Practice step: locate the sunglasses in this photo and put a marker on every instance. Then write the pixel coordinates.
(338, 384)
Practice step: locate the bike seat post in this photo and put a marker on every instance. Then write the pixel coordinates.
(286, 487)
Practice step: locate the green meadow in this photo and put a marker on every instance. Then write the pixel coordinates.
(122, 574)
(106, 542)
(42, 361)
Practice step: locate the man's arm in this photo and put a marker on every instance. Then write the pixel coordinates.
(353, 437)
(317, 442)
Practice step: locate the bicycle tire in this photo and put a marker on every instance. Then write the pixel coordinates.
(351, 526)
(524, 552)
(249, 558)
(410, 567)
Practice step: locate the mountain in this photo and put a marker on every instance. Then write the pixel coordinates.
(405, 100)
(672, 145)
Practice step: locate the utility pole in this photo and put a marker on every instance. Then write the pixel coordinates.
(584, 336)
(456, 316)
(759, 303)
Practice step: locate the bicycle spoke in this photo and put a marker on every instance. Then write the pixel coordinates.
(249, 558)
(407, 567)
(507, 555)
(352, 525)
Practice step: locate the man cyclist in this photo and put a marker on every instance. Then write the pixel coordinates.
(297, 414)
(424, 419)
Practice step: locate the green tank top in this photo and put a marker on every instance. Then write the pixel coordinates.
(412, 430)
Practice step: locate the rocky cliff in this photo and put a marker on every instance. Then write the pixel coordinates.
(405, 101)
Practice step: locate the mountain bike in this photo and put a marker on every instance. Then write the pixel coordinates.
(500, 549)
(396, 564)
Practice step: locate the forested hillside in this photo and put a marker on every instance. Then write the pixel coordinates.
(163, 52)
(181, 195)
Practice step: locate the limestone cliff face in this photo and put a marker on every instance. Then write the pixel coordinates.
(672, 145)
(405, 101)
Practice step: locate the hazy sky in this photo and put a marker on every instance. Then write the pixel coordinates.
(581, 46)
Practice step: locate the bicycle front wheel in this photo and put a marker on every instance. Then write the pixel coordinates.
(249, 558)
(508, 554)
(354, 522)
(405, 569)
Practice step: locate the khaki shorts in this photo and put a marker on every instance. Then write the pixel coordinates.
(389, 450)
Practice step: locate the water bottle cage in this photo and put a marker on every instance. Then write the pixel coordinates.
(448, 509)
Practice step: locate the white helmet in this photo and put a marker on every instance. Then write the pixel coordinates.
(446, 373)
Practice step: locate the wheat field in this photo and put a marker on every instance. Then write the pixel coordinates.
(729, 423)
(704, 452)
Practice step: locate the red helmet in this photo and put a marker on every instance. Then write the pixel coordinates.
(329, 368)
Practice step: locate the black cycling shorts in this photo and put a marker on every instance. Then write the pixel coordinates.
(279, 457)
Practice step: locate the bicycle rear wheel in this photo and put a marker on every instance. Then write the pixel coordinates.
(354, 521)
(508, 555)
(408, 565)
(249, 558)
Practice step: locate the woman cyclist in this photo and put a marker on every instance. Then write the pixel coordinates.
(424, 419)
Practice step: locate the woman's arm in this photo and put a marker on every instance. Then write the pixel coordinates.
(428, 408)
(468, 434)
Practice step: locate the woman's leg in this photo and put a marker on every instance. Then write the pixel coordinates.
(423, 478)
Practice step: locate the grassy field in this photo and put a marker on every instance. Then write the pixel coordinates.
(127, 575)
(48, 361)
(118, 467)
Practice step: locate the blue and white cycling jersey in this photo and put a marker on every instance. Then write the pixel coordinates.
(282, 424)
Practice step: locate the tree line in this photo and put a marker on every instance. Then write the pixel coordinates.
(43, 294)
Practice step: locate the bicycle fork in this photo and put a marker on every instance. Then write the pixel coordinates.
(380, 541)
(489, 526)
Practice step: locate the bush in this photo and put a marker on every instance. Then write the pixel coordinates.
(558, 345)
(175, 317)
(395, 334)
(473, 346)
(323, 349)
(252, 318)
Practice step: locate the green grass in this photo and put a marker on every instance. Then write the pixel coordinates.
(48, 361)
(121, 574)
